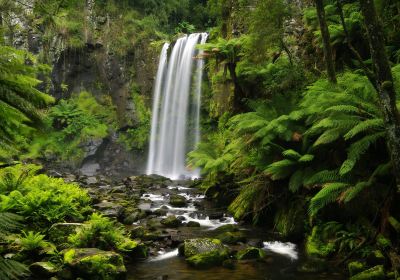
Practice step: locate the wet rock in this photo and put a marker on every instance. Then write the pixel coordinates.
(226, 228)
(43, 269)
(58, 233)
(208, 259)
(138, 232)
(191, 247)
(313, 265)
(147, 181)
(177, 201)
(216, 215)
(91, 181)
(134, 217)
(232, 237)
(171, 221)
(258, 243)
(92, 263)
(229, 263)
(250, 253)
(374, 273)
(193, 224)
(160, 212)
(109, 209)
(181, 218)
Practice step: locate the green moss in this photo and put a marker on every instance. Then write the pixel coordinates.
(355, 267)
(69, 256)
(250, 253)
(209, 259)
(317, 247)
(383, 242)
(232, 237)
(374, 273)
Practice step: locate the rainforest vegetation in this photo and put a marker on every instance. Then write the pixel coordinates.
(299, 122)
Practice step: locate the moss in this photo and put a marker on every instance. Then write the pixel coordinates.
(208, 259)
(171, 221)
(232, 237)
(69, 256)
(374, 273)
(383, 242)
(250, 253)
(315, 246)
(355, 267)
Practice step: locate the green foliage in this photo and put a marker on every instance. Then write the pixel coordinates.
(42, 200)
(103, 233)
(20, 101)
(33, 243)
(71, 124)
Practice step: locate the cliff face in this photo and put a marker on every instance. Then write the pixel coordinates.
(96, 63)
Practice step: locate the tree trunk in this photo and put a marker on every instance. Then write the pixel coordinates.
(330, 67)
(384, 78)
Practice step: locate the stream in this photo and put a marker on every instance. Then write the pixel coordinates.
(282, 258)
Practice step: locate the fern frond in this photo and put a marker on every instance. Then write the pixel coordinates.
(280, 169)
(329, 193)
(365, 126)
(12, 270)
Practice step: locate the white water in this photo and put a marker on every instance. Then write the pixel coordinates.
(287, 249)
(175, 108)
(165, 255)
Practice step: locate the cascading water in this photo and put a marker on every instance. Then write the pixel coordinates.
(176, 106)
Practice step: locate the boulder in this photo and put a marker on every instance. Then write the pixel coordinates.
(208, 259)
(171, 222)
(43, 269)
(109, 209)
(374, 273)
(232, 237)
(177, 200)
(250, 253)
(193, 224)
(134, 217)
(95, 264)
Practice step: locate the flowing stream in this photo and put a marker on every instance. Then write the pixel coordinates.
(175, 125)
(282, 260)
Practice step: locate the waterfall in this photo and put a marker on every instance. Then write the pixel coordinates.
(175, 125)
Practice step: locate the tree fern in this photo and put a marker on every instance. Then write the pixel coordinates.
(329, 193)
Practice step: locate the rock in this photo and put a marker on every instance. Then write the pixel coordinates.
(181, 218)
(177, 201)
(138, 232)
(208, 259)
(232, 237)
(160, 212)
(171, 221)
(355, 267)
(193, 224)
(58, 233)
(216, 215)
(109, 209)
(250, 253)
(258, 243)
(91, 180)
(374, 273)
(147, 181)
(191, 247)
(92, 263)
(43, 269)
(134, 217)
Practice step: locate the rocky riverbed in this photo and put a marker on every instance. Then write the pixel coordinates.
(187, 236)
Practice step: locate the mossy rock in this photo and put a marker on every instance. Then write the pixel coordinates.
(193, 224)
(313, 265)
(177, 200)
(250, 253)
(374, 273)
(226, 228)
(43, 269)
(208, 259)
(171, 222)
(355, 267)
(232, 237)
(191, 247)
(134, 217)
(383, 242)
(95, 264)
(138, 232)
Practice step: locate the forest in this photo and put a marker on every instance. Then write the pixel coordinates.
(200, 139)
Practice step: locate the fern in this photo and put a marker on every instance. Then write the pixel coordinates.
(329, 193)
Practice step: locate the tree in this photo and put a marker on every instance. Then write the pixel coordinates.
(20, 101)
(330, 67)
(384, 81)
